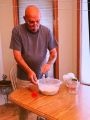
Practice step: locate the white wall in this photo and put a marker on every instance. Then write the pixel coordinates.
(6, 25)
(1, 60)
(67, 37)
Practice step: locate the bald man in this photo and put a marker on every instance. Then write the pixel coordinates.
(30, 42)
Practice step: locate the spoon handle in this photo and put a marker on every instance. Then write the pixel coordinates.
(44, 79)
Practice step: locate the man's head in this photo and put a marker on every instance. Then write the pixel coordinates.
(32, 18)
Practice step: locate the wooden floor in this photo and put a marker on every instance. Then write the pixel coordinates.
(10, 112)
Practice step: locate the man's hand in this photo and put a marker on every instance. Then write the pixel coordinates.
(45, 68)
(32, 77)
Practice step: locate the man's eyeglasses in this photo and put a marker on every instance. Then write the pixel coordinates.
(30, 22)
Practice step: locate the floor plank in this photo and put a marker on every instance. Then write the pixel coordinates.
(10, 112)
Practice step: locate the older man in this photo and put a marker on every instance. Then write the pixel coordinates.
(30, 42)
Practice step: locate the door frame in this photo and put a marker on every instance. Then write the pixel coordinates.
(78, 39)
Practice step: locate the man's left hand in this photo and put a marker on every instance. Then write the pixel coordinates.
(45, 68)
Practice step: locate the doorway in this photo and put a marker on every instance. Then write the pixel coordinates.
(49, 13)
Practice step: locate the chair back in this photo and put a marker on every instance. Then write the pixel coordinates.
(13, 76)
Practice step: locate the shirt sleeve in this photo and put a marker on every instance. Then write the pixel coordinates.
(52, 43)
(15, 43)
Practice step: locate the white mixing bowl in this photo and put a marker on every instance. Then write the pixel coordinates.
(49, 86)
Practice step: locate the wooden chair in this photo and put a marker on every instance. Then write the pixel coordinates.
(13, 76)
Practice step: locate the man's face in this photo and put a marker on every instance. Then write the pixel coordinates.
(33, 23)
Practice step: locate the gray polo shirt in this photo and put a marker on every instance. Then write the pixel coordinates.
(33, 47)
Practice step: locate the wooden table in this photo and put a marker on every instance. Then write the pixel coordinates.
(62, 106)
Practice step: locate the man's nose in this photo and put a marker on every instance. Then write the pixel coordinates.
(35, 23)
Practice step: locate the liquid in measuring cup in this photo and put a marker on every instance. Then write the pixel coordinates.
(73, 87)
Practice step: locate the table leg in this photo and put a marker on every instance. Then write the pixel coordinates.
(23, 114)
(41, 118)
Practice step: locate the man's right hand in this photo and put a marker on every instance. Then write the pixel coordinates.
(32, 77)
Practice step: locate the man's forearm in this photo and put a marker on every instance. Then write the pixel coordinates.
(52, 57)
(21, 61)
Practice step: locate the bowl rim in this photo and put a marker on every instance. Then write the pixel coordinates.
(48, 78)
